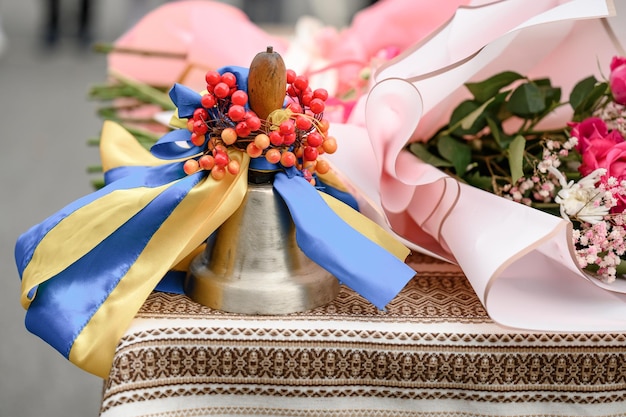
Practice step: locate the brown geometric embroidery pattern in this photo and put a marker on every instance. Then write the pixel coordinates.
(426, 298)
(413, 363)
(583, 376)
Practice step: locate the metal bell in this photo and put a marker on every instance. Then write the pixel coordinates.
(253, 265)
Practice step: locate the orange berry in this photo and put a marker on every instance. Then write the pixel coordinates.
(190, 166)
(324, 125)
(288, 159)
(309, 165)
(253, 150)
(218, 172)
(206, 162)
(330, 144)
(273, 156)
(322, 166)
(229, 136)
(197, 140)
(233, 167)
(262, 141)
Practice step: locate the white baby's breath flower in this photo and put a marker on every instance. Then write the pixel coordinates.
(581, 200)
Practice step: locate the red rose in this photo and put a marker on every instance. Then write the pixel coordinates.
(617, 79)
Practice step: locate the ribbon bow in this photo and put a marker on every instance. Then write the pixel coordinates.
(87, 269)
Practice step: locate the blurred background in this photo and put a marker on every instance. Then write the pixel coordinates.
(46, 70)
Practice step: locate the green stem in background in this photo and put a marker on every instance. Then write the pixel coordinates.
(131, 88)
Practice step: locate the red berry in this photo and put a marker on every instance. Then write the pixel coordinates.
(221, 90)
(200, 113)
(317, 106)
(303, 123)
(253, 121)
(287, 127)
(221, 159)
(208, 100)
(276, 138)
(291, 76)
(306, 99)
(291, 91)
(301, 82)
(200, 127)
(314, 139)
(289, 139)
(236, 112)
(212, 77)
(229, 79)
(310, 153)
(294, 107)
(321, 93)
(242, 129)
(239, 97)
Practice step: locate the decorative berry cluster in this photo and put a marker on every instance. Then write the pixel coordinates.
(293, 136)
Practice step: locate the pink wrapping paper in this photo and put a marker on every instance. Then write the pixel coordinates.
(519, 260)
(207, 35)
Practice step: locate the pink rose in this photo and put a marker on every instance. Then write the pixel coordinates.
(617, 79)
(587, 131)
(607, 152)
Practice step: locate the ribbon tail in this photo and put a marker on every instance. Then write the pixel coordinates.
(84, 306)
(354, 259)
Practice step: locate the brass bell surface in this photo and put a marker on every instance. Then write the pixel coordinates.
(253, 265)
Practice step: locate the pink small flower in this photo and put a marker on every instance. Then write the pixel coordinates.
(617, 79)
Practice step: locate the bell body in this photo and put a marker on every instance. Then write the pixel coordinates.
(253, 265)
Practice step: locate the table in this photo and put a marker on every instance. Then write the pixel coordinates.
(433, 352)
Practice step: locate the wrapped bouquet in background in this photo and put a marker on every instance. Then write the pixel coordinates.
(495, 141)
(524, 58)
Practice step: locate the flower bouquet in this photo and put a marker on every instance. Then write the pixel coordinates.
(577, 171)
(422, 111)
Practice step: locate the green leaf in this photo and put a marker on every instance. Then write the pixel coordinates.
(479, 181)
(464, 119)
(471, 119)
(455, 151)
(421, 151)
(516, 157)
(526, 100)
(551, 95)
(581, 91)
(496, 132)
(484, 90)
(586, 107)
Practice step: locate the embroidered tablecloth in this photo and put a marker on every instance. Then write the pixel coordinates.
(433, 352)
